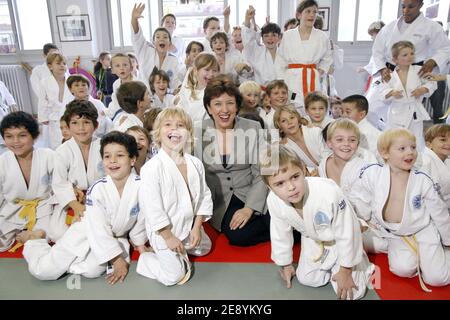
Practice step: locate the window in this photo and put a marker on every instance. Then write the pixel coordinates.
(34, 24)
(437, 10)
(190, 15)
(6, 29)
(31, 22)
(263, 10)
(121, 20)
(355, 17)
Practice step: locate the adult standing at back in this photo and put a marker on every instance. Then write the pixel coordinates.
(432, 45)
(304, 55)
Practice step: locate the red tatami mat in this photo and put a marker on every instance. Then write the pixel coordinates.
(393, 287)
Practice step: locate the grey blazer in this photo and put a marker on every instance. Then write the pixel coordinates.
(241, 176)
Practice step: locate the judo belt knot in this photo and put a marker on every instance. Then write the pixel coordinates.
(322, 249)
(411, 242)
(305, 68)
(28, 212)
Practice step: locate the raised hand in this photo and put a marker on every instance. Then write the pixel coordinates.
(136, 14)
(138, 10)
(227, 11)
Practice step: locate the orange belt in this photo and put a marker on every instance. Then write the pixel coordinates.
(305, 68)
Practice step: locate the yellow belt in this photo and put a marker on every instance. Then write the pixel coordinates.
(322, 249)
(411, 242)
(28, 212)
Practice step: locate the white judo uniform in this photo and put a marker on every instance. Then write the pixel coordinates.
(126, 121)
(6, 101)
(193, 107)
(369, 136)
(331, 236)
(326, 121)
(70, 171)
(268, 118)
(439, 172)
(39, 73)
(417, 242)
(298, 61)
(232, 58)
(178, 42)
(104, 123)
(408, 112)
(315, 144)
(258, 56)
(88, 245)
(114, 108)
(166, 103)
(352, 169)
(166, 200)
(349, 177)
(206, 45)
(149, 59)
(6, 96)
(429, 40)
(13, 189)
(51, 109)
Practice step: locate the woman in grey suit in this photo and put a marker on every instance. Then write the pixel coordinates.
(229, 148)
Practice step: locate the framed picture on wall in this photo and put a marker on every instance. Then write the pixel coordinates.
(324, 12)
(74, 28)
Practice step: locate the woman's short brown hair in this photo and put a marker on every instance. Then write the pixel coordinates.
(218, 86)
(306, 4)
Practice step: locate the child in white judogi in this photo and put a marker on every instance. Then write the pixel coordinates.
(26, 198)
(41, 72)
(405, 91)
(193, 49)
(403, 207)
(6, 97)
(79, 85)
(175, 201)
(316, 107)
(231, 61)
(169, 21)
(356, 108)
(100, 239)
(331, 244)
(346, 159)
(150, 57)
(7, 104)
(306, 142)
(261, 57)
(192, 90)
(159, 87)
(436, 158)
(343, 165)
(211, 25)
(121, 66)
(78, 163)
(134, 98)
(303, 56)
(53, 98)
